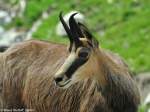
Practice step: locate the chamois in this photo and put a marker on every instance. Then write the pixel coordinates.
(46, 77)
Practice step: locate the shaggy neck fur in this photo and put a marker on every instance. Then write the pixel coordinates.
(117, 85)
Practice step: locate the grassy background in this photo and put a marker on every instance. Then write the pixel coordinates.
(122, 26)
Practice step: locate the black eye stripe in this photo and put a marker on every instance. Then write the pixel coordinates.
(75, 65)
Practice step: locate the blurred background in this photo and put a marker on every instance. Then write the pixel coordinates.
(122, 26)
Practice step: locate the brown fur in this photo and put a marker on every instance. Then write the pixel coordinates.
(26, 81)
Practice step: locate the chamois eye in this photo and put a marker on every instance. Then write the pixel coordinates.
(83, 53)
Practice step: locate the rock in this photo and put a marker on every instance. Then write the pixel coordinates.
(22, 5)
(1, 30)
(146, 103)
(5, 18)
(143, 81)
(37, 23)
(9, 10)
(147, 100)
(33, 29)
(59, 28)
(10, 37)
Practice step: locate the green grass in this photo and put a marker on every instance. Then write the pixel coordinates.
(125, 25)
(144, 108)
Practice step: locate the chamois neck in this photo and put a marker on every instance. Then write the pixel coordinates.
(119, 89)
(112, 63)
(104, 65)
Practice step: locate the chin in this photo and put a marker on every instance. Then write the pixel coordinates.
(65, 85)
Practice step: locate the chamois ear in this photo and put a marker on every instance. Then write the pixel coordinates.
(85, 31)
(95, 43)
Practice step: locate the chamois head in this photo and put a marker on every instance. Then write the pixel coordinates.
(82, 61)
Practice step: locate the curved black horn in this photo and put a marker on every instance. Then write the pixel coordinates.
(66, 29)
(75, 30)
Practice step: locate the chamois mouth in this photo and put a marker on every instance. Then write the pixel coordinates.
(64, 84)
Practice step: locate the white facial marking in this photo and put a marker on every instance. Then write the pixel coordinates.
(66, 64)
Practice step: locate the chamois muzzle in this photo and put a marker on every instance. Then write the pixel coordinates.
(61, 80)
(3, 48)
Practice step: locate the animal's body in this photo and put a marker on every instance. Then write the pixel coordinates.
(27, 72)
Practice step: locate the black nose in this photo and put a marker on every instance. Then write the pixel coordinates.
(58, 79)
(3, 48)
